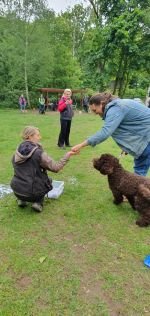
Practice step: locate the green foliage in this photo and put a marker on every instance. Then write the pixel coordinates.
(40, 47)
(120, 44)
(103, 46)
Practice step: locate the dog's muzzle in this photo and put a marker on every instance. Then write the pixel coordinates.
(96, 163)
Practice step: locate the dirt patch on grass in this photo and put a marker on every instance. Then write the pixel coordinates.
(42, 304)
(91, 290)
(69, 236)
(24, 282)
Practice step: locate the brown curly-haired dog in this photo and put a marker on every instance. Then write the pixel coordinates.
(124, 183)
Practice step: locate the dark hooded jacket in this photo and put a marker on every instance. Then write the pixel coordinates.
(30, 163)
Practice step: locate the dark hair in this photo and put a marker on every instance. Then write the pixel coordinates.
(102, 98)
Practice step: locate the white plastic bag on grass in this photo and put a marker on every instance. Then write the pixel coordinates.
(5, 189)
(58, 187)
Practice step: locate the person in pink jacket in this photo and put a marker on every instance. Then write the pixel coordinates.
(22, 103)
(66, 114)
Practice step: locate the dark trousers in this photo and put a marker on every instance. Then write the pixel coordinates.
(42, 109)
(86, 108)
(64, 133)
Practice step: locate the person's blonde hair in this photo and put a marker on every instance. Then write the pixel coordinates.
(67, 90)
(29, 131)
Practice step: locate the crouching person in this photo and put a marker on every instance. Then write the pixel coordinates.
(30, 182)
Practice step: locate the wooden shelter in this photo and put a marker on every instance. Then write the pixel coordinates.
(60, 91)
(47, 91)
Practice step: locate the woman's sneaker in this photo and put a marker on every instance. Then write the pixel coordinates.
(21, 203)
(37, 207)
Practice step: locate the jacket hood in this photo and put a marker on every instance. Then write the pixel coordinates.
(109, 105)
(25, 151)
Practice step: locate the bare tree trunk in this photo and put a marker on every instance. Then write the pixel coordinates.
(118, 73)
(25, 68)
(95, 8)
(126, 83)
(122, 81)
(73, 44)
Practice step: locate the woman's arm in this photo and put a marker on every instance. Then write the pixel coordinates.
(62, 104)
(113, 119)
(49, 163)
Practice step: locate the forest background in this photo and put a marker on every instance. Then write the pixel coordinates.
(104, 46)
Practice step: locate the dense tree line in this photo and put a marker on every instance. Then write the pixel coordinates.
(103, 46)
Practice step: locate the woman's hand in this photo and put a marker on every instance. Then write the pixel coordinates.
(68, 102)
(71, 153)
(78, 147)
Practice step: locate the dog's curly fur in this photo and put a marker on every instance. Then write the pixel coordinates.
(123, 183)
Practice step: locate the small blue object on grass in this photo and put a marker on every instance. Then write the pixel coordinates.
(147, 261)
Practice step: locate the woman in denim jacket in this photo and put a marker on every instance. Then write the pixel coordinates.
(128, 123)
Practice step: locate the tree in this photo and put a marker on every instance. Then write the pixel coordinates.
(35, 54)
(25, 11)
(122, 34)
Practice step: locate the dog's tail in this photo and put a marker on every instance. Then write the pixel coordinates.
(144, 191)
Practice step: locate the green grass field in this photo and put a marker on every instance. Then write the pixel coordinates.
(82, 255)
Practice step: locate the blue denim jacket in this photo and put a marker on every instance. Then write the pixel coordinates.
(128, 123)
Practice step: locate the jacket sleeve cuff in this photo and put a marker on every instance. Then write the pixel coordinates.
(67, 156)
(90, 143)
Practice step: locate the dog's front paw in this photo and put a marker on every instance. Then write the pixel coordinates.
(142, 222)
(117, 201)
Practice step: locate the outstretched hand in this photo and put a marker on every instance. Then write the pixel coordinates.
(71, 153)
(76, 148)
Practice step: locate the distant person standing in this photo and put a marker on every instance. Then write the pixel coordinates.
(66, 114)
(22, 103)
(41, 104)
(85, 103)
(46, 103)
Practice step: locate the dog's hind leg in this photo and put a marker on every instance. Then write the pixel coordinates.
(142, 204)
(144, 220)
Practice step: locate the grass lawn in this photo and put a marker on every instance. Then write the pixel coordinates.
(82, 255)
